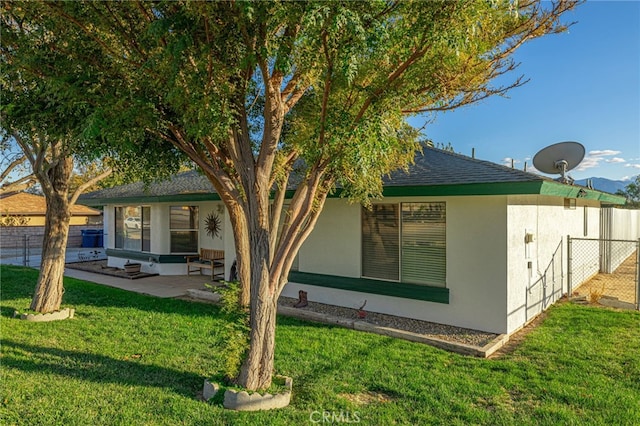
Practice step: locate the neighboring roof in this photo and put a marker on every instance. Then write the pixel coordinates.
(434, 172)
(25, 204)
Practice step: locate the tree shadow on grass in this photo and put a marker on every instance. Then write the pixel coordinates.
(20, 283)
(96, 368)
(335, 366)
(7, 311)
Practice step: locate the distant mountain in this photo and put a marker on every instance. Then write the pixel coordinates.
(604, 184)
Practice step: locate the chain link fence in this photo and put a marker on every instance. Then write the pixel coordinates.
(26, 248)
(548, 288)
(605, 271)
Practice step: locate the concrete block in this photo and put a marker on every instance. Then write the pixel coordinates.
(204, 295)
(243, 401)
(209, 390)
(53, 316)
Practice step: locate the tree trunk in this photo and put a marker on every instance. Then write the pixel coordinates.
(257, 369)
(55, 185)
(268, 277)
(239, 227)
(49, 290)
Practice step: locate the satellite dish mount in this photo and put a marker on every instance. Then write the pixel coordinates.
(559, 158)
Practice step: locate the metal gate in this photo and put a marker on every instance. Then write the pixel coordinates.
(548, 288)
(26, 249)
(605, 271)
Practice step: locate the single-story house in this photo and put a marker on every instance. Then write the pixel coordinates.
(456, 240)
(30, 209)
(22, 222)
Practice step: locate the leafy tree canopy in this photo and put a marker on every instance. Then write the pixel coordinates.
(632, 193)
(40, 111)
(193, 72)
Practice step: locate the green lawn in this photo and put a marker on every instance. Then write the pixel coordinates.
(129, 359)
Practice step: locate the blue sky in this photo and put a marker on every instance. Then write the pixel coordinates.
(584, 86)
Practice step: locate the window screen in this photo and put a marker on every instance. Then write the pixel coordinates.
(184, 229)
(133, 228)
(380, 242)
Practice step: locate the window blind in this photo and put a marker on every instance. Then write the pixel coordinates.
(424, 243)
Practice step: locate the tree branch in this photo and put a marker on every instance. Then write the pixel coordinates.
(19, 185)
(15, 163)
(301, 205)
(84, 186)
(276, 215)
(417, 54)
(327, 89)
(26, 149)
(123, 31)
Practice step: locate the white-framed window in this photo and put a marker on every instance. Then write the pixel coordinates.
(381, 242)
(183, 227)
(405, 242)
(133, 228)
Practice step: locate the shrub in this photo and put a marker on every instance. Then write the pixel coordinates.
(235, 330)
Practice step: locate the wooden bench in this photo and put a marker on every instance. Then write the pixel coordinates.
(208, 259)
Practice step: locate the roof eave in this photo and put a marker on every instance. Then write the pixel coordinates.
(492, 188)
(146, 199)
(534, 187)
(567, 191)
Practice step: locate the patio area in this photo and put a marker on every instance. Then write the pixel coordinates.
(165, 286)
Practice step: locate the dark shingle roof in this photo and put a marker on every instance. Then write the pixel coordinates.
(433, 168)
(438, 167)
(190, 182)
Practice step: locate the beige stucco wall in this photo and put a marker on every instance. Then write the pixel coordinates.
(476, 262)
(550, 223)
(161, 237)
(108, 218)
(488, 273)
(160, 220)
(333, 247)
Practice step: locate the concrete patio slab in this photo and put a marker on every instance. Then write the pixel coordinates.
(164, 286)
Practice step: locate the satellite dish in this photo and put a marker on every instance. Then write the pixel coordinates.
(559, 158)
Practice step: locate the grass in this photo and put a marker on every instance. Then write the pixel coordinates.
(130, 359)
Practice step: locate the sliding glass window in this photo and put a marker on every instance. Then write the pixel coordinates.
(133, 228)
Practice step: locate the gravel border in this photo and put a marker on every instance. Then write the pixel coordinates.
(430, 329)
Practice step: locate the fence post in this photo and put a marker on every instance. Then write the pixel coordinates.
(28, 249)
(25, 239)
(561, 263)
(569, 289)
(638, 275)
